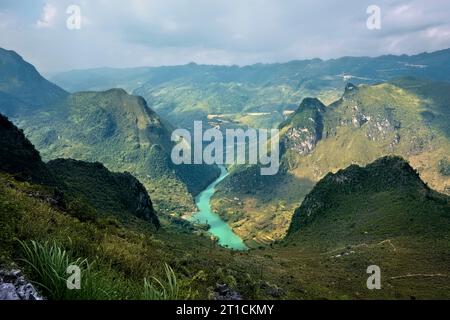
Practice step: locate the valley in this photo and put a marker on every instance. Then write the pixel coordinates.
(364, 180)
(323, 257)
(270, 96)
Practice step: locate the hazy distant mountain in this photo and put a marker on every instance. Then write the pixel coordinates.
(254, 95)
(26, 88)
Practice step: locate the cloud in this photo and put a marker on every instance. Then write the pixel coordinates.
(167, 32)
(48, 16)
(6, 20)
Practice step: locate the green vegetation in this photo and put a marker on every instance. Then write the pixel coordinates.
(84, 189)
(381, 214)
(49, 263)
(337, 197)
(130, 253)
(90, 187)
(184, 103)
(120, 255)
(125, 135)
(94, 213)
(167, 290)
(19, 156)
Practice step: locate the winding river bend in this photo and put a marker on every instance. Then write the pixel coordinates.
(219, 228)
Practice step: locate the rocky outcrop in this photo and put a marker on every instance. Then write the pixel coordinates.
(224, 292)
(144, 206)
(14, 286)
(108, 192)
(301, 140)
(19, 157)
(386, 173)
(350, 89)
(382, 125)
(271, 290)
(305, 127)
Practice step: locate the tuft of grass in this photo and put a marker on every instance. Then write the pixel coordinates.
(49, 262)
(169, 289)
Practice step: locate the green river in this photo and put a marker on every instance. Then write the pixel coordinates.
(219, 228)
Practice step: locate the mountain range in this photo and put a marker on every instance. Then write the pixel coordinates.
(257, 95)
(364, 179)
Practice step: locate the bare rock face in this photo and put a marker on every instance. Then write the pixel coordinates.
(14, 286)
(301, 140)
(305, 127)
(359, 118)
(8, 292)
(144, 206)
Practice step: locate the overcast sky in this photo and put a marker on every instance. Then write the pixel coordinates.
(166, 32)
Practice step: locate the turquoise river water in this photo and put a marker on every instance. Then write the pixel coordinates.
(219, 228)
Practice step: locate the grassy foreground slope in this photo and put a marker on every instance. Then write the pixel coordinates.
(408, 117)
